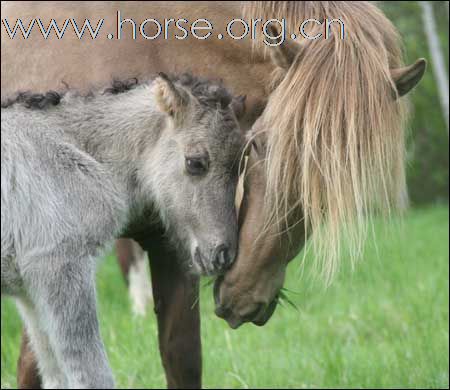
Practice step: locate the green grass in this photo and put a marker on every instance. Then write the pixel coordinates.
(385, 325)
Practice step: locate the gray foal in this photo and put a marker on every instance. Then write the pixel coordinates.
(76, 175)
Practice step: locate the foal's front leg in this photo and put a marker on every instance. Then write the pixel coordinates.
(63, 295)
(49, 367)
(175, 296)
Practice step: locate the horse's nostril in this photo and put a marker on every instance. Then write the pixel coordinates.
(222, 312)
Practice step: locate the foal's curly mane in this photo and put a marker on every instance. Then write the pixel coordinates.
(206, 91)
(38, 101)
(209, 93)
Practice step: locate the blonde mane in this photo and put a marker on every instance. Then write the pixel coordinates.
(335, 128)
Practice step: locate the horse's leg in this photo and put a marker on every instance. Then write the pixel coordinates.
(124, 253)
(62, 292)
(37, 349)
(176, 306)
(27, 369)
(133, 263)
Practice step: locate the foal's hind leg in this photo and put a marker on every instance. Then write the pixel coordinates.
(63, 293)
(176, 305)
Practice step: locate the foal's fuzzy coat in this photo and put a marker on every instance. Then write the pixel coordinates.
(74, 176)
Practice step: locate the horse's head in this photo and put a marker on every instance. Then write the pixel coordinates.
(329, 150)
(198, 161)
(249, 290)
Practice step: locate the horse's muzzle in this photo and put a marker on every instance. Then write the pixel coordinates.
(259, 314)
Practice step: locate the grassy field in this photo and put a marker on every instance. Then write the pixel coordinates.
(385, 325)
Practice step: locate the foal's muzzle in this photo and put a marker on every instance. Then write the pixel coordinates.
(217, 263)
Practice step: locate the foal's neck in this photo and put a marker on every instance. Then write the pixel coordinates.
(119, 131)
(116, 129)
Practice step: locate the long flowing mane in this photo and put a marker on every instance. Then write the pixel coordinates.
(335, 138)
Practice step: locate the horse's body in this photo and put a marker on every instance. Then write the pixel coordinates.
(95, 62)
(77, 175)
(331, 181)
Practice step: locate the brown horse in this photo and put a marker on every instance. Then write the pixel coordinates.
(329, 146)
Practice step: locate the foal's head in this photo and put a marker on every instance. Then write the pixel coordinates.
(198, 167)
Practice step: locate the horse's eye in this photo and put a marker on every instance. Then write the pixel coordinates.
(197, 166)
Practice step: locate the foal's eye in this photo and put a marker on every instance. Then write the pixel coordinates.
(197, 166)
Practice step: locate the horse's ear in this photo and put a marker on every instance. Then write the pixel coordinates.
(408, 77)
(238, 106)
(170, 99)
(282, 54)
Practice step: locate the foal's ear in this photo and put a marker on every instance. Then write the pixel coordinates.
(408, 77)
(238, 106)
(170, 98)
(282, 55)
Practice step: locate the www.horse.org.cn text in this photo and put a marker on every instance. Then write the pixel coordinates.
(153, 29)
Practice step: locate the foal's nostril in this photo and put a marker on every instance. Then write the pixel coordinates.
(221, 256)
